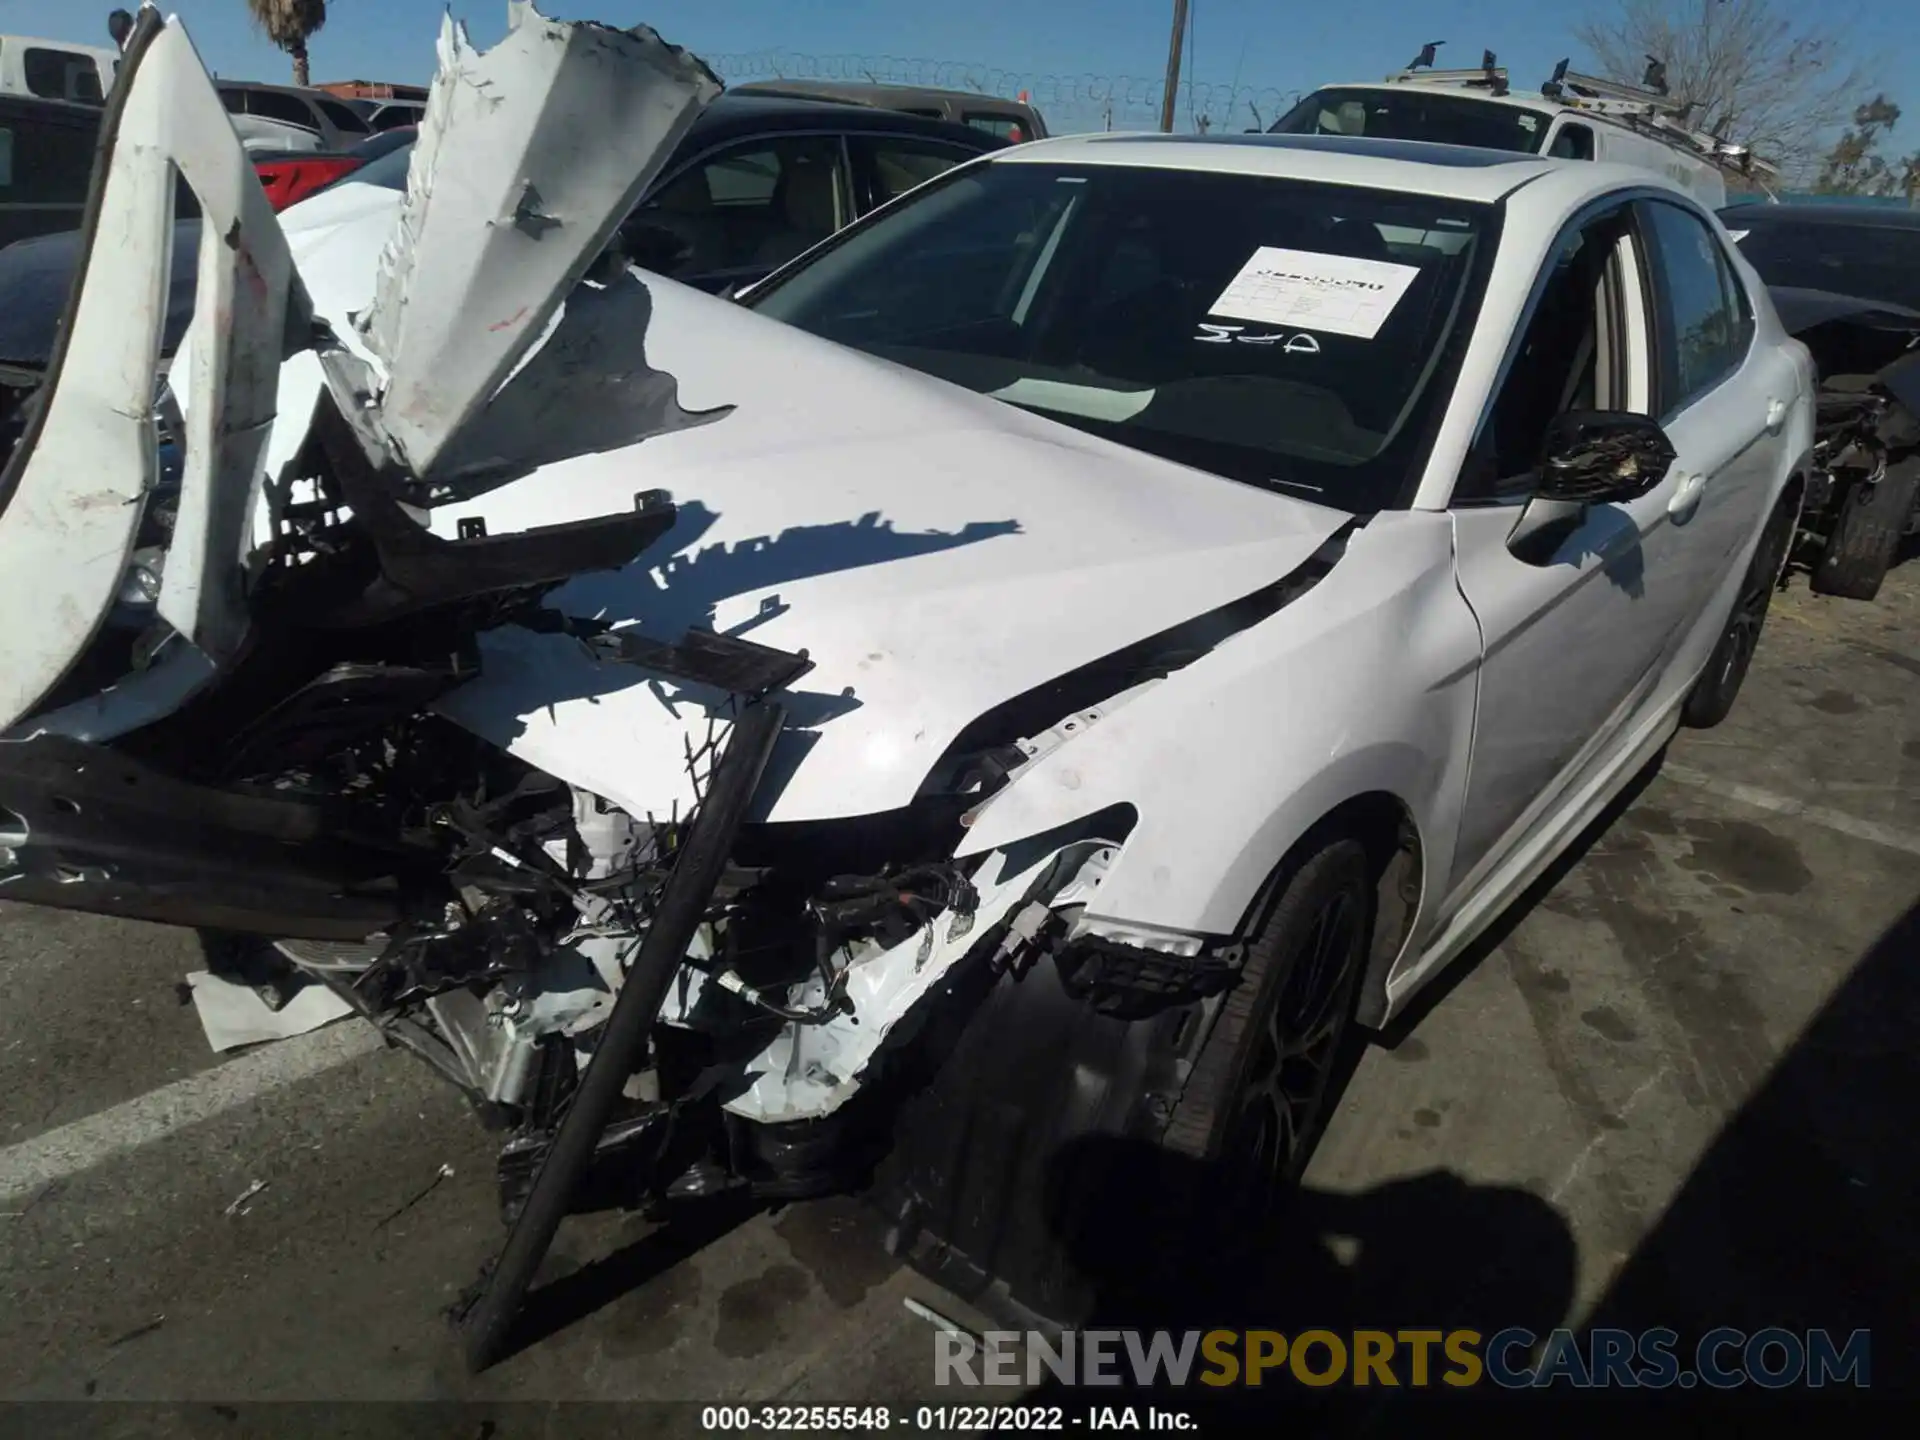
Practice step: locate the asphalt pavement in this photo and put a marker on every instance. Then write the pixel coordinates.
(1679, 1075)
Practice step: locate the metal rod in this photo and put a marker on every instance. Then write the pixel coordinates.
(683, 902)
(1173, 65)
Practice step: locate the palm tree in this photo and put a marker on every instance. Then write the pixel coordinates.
(288, 24)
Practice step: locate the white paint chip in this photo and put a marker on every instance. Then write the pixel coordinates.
(1334, 294)
(234, 1015)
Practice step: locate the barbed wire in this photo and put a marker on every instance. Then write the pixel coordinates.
(1068, 101)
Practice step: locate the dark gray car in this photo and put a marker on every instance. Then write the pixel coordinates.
(1846, 281)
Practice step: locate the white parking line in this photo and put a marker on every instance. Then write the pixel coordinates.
(1840, 823)
(31, 1165)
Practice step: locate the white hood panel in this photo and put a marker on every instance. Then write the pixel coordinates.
(935, 552)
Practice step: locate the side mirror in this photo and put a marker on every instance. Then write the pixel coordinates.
(1598, 456)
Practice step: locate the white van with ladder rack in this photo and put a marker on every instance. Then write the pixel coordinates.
(1572, 116)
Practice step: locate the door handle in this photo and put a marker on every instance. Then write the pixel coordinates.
(1687, 494)
(1776, 415)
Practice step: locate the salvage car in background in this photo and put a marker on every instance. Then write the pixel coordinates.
(1156, 599)
(291, 178)
(285, 117)
(757, 180)
(1846, 280)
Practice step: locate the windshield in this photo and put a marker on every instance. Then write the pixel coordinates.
(1409, 114)
(1290, 335)
(1873, 262)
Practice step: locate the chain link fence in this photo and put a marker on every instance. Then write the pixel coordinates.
(1069, 102)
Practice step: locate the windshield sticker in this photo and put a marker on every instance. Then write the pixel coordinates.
(1336, 294)
(1301, 344)
(1736, 236)
(1090, 402)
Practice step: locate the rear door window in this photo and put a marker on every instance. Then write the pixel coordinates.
(343, 117)
(1005, 126)
(1702, 331)
(893, 165)
(61, 74)
(748, 208)
(1573, 142)
(272, 105)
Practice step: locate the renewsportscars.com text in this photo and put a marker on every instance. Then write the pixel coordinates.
(1513, 1358)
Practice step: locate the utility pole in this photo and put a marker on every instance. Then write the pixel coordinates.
(1173, 65)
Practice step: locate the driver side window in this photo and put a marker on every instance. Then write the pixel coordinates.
(1571, 355)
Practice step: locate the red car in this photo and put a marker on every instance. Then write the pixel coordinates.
(291, 177)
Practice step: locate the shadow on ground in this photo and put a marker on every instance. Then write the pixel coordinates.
(1432, 1252)
(1800, 1217)
(1802, 1214)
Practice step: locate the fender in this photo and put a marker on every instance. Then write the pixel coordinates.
(1299, 705)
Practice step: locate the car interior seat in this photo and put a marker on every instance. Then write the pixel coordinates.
(806, 208)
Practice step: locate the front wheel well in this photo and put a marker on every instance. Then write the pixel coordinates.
(1382, 823)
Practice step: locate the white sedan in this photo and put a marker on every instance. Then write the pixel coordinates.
(1181, 588)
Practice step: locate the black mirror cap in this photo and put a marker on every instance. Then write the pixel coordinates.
(1603, 456)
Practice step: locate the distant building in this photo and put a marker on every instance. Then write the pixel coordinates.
(373, 90)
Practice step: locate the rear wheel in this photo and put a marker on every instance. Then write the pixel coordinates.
(1866, 534)
(1256, 1100)
(1711, 699)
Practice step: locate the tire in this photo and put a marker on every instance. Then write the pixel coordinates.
(1248, 1108)
(1711, 699)
(1866, 534)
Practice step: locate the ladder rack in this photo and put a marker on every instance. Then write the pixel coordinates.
(1476, 76)
(1649, 112)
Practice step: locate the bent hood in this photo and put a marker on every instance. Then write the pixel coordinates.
(935, 552)
(1801, 310)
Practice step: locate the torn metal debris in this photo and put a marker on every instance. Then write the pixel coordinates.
(506, 207)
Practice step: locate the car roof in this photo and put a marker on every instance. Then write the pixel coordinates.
(1510, 98)
(879, 90)
(1842, 213)
(268, 85)
(1416, 166)
(730, 113)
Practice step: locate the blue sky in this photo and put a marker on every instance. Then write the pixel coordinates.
(1275, 45)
